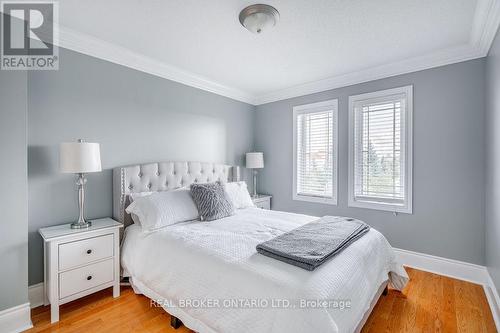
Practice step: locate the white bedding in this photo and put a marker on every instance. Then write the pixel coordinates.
(217, 262)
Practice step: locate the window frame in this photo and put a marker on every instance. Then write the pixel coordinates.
(329, 105)
(406, 142)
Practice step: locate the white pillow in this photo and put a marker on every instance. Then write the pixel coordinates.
(133, 196)
(238, 194)
(161, 209)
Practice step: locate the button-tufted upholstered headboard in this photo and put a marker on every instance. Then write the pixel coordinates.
(162, 176)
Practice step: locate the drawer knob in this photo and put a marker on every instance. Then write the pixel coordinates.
(89, 277)
(89, 251)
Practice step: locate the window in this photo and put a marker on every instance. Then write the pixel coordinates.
(380, 150)
(315, 152)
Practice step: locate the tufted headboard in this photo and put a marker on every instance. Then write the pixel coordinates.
(163, 176)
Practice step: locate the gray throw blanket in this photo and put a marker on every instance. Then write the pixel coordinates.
(312, 244)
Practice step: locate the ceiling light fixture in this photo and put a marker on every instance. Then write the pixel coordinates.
(259, 17)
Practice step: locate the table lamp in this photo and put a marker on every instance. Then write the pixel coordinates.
(255, 160)
(80, 158)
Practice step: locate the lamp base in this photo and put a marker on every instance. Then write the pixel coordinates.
(79, 225)
(254, 184)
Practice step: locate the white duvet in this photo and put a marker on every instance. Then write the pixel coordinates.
(209, 275)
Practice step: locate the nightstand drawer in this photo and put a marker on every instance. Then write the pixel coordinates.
(83, 278)
(263, 204)
(85, 251)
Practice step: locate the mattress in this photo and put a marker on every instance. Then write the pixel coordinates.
(209, 275)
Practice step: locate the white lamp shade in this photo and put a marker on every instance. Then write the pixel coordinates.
(79, 157)
(255, 160)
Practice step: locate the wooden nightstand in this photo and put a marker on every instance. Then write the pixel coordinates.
(262, 201)
(79, 262)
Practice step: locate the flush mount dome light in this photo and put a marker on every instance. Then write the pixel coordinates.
(259, 17)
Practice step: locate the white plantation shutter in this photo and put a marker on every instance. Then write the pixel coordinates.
(380, 175)
(379, 169)
(314, 154)
(315, 145)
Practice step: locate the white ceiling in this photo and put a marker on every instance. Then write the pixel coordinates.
(316, 45)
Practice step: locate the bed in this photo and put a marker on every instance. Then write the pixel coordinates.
(209, 275)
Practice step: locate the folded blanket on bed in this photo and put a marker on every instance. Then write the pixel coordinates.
(312, 244)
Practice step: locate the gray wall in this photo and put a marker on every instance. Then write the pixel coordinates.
(492, 143)
(13, 198)
(135, 116)
(139, 118)
(448, 210)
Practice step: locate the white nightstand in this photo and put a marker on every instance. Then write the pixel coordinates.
(78, 262)
(262, 201)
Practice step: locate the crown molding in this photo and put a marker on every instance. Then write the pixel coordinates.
(485, 25)
(98, 48)
(484, 28)
(442, 58)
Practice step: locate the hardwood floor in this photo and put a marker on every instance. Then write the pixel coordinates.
(430, 303)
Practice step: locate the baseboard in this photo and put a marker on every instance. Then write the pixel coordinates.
(493, 300)
(16, 319)
(443, 266)
(36, 295)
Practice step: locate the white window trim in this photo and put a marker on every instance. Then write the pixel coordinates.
(311, 108)
(372, 204)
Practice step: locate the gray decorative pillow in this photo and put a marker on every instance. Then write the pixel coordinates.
(212, 201)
